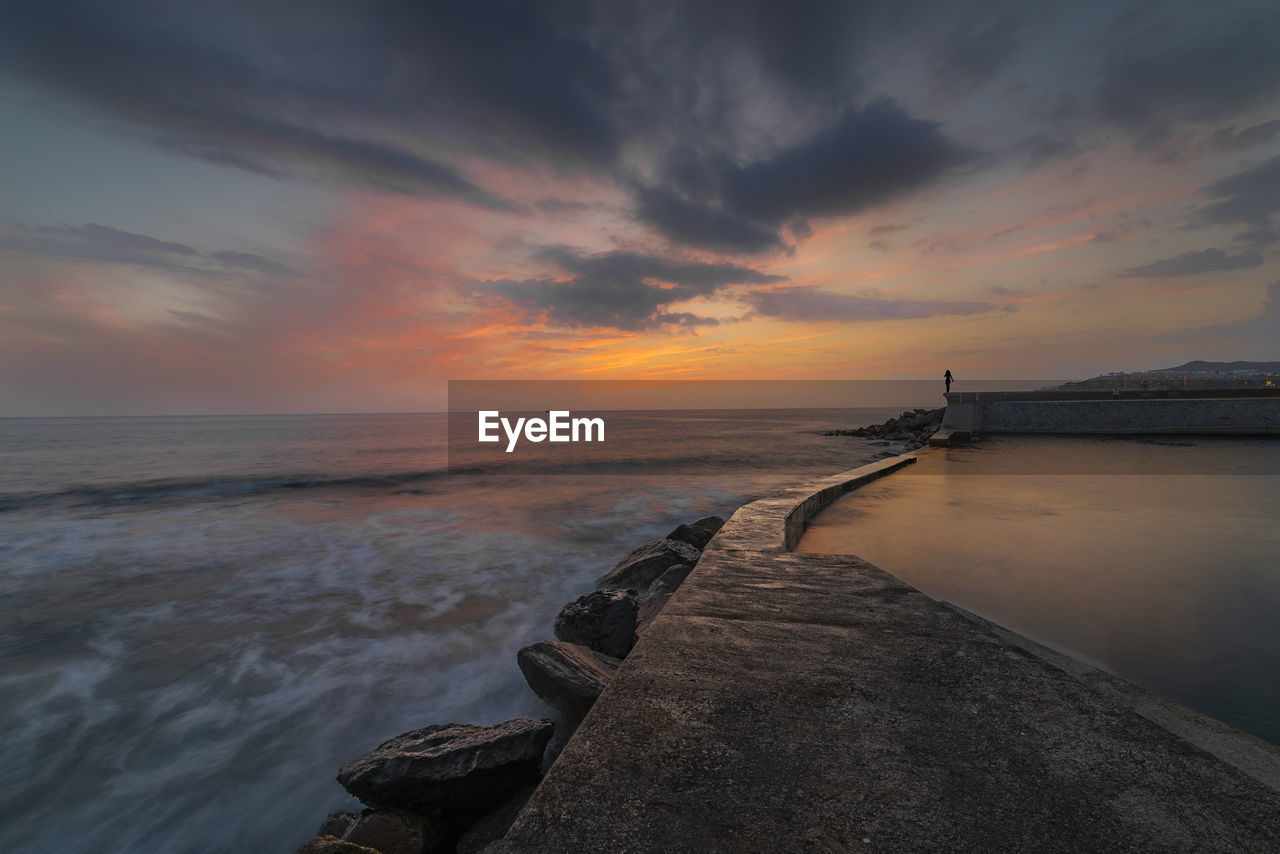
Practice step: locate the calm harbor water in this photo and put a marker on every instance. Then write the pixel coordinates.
(201, 619)
(1158, 560)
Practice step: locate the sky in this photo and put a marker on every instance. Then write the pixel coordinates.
(333, 205)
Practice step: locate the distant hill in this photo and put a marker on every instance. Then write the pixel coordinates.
(1197, 374)
(1200, 366)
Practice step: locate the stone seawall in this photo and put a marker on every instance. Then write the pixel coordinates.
(1189, 412)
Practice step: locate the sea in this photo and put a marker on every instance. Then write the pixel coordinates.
(203, 618)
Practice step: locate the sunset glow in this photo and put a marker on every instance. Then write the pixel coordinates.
(193, 223)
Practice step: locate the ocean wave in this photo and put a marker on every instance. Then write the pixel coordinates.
(166, 490)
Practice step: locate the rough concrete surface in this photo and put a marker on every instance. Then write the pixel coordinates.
(786, 702)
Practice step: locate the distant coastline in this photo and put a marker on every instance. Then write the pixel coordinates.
(1195, 374)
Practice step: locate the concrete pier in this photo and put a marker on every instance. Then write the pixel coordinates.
(1205, 412)
(788, 702)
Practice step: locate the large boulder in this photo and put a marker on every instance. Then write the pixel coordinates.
(639, 568)
(393, 832)
(494, 824)
(604, 620)
(567, 676)
(711, 524)
(338, 824)
(694, 535)
(670, 580)
(457, 767)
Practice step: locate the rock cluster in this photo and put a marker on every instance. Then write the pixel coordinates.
(455, 766)
(642, 566)
(695, 535)
(457, 788)
(566, 676)
(433, 789)
(603, 620)
(598, 629)
(913, 427)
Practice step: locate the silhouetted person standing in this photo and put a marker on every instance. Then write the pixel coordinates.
(946, 378)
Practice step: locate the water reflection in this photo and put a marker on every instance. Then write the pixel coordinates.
(1168, 578)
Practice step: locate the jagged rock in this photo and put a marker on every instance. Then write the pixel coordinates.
(338, 823)
(903, 428)
(567, 676)
(694, 535)
(669, 580)
(639, 568)
(494, 824)
(333, 845)
(712, 524)
(393, 832)
(649, 609)
(459, 767)
(604, 620)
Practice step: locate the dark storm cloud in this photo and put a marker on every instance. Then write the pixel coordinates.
(1194, 263)
(1250, 197)
(1258, 238)
(1202, 76)
(864, 158)
(977, 51)
(815, 305)
(800, 228)
(516, 73)
(730, 123)
(868, 156)
(362, 161)
(622, 290)
(93, 242)
(389, 94)
(323, 84)
(1041, 149)
(691, 278)
(1229, 139)
(710, 227)
(691, 59)
(339, 85)
(347, 159)
(811, 46)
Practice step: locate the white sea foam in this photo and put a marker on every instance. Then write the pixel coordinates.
(187, 668)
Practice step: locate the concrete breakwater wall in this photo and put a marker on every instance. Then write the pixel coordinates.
(1244, 412)
(789, 701)
(813, 497)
